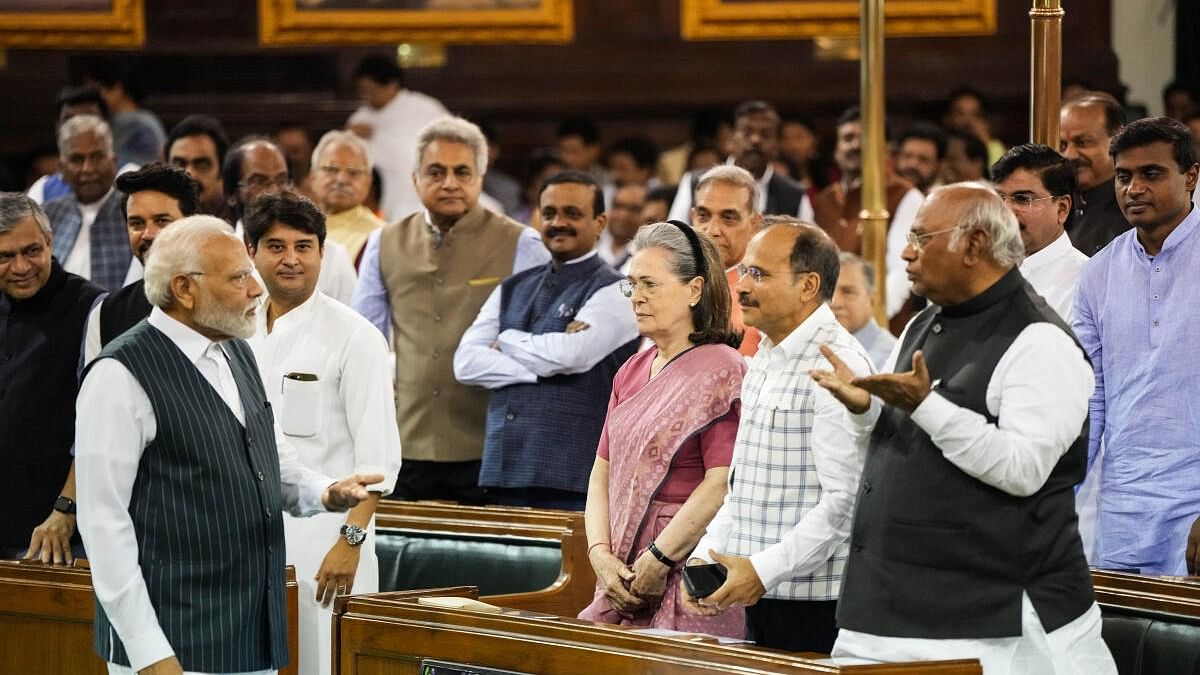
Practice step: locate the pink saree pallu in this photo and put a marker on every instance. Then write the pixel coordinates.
(645, 432)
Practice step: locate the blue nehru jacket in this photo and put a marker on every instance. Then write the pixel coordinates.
(545, 434)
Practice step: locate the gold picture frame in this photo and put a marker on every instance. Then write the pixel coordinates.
(799, 19)
(285, 23)
(117, 24)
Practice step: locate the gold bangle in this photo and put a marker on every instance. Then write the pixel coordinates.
(599, 543)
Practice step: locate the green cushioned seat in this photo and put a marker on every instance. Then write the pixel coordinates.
(1152, 643)
(496, 564)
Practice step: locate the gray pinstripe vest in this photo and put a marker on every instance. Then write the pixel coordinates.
(206, 509)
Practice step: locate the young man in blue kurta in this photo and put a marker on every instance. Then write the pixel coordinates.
(547, 343)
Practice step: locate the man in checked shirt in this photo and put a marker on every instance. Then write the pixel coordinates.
(782, 531)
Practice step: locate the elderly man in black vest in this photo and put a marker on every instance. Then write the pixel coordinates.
(964, 543)
(183, 473)
(42, 314)
(155, 195)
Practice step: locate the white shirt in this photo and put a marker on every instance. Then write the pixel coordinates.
(771, 384)
(898, 285)
(79, 260)
(616, 258)
(1052, 272)
(393, 144)
(522, 357)
(114, 424)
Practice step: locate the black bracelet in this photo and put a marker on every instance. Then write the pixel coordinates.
(662, 558)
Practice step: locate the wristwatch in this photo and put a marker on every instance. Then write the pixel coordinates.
(353, 534)
(64, 505)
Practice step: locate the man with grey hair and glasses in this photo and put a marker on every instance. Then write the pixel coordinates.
(853, 304)
(964, 543)
(422, 281)
(341, 181)
(88, 224)
(184, 473)
(43, 314)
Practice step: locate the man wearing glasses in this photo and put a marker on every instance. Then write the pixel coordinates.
(1037, 183)
(964, 542)
(341, 181)
(254, 167)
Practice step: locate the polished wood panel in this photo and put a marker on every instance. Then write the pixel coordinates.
(46, 615)
(1169, 594)
(374, 634)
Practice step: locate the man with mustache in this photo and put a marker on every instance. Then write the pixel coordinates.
(1086, 126)
(89, 229)
(964, 542)
(341, 182)
(755, 148)
(1135, 315)
(43, 310)
(783, 527)
(156, 196)
(547, 343)
(836, 210)
(183, 473)
(920, 150)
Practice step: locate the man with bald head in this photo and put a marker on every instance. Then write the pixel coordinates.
(89, 228)
(980, 437)
(255, 166)
(340, 182)
(1087, 124)
(174, 435)
(782, 530)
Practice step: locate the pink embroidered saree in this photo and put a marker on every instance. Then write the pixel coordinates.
(645, 432)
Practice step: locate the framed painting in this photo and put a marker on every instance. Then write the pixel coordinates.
(91, 24)
(362, 22)
(797, 19)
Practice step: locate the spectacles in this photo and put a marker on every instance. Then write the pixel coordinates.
(647, 287)
(354, 172)
(1024, 200)
(263, 182)
(917, 240)
(239, 279)
(756, 275)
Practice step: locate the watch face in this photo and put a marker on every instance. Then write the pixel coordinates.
(354, 534)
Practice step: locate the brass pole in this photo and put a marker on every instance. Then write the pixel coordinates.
(1045, 75)
(874, 216)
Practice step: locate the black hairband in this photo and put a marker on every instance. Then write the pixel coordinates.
(697, 251)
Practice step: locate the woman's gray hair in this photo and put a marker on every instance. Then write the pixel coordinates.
(456, 130)
(731, 175)
(710, 316)
(81, 124)
(178, 250)
(985, 211)
(340, 137)
(15, 207)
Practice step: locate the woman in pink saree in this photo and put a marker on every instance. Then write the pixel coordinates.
(663, 459)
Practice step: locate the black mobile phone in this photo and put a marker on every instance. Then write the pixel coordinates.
(702, 581)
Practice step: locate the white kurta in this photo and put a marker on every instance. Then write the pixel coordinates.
(344, 422)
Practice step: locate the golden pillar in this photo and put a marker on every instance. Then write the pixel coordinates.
(874, 215)
(1045, 74)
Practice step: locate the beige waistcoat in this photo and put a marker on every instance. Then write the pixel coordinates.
(435, 292)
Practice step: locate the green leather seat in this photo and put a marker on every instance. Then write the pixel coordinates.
(1152, 643)
(410, 559)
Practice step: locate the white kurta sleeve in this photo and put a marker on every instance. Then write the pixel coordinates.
(367, 397)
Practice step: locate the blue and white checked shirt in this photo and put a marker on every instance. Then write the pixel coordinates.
(796, 466)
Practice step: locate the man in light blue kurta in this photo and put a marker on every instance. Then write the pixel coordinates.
(1135, 314)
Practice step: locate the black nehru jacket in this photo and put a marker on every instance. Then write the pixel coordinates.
(123, 310)
(935, 553)
(40, 342)
(1097, 219)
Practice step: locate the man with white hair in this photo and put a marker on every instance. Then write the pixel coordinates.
(183, 473)
(341, 181)
(422, 281)
(964, 542)
(89, 227)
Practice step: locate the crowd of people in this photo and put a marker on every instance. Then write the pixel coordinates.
(196, 334)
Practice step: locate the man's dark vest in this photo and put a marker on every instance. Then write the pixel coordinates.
(206, 510)
(40, 341)
(935, 553)
(545, 434)
(123, 310)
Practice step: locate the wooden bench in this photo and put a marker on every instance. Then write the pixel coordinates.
(392, 633)
(46, 615)
(529, 559)
(1151, 624)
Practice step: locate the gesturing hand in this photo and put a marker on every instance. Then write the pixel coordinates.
(349, 491)
(336, 576)
(903, 390)
(51, 541)
(841, 383)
